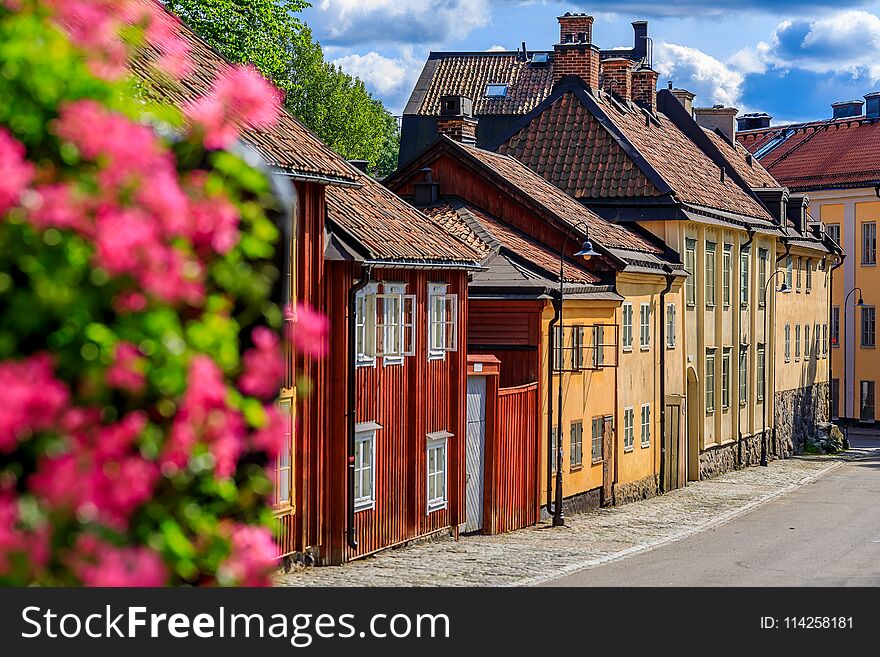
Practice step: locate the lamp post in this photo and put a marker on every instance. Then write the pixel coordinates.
(586, 252)
(859, 304)
(784, 289)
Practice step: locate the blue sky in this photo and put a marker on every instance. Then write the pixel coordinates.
(789, 58)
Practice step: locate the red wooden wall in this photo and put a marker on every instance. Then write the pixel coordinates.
(510, 331)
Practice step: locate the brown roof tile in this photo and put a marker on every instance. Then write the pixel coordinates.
(752, 171)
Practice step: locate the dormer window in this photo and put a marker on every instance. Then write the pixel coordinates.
(540, 58)
(496, 90)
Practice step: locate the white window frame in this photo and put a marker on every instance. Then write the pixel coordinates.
(743, 375)
(835, 327)
(670, 325)
(644, 326)
(711, 354)
(711, 267)
(576, 448)
(745, 277)
(808, 342)
(762, 275)
(285, 408)
(868, 331)
(825, 340)
(390, 324)
(438, 440)
(438, 330)
(627, 318)
(799, 278)
(869, 243)
(788, 343)
(726, 274)
(725, 378)
(365, 433)
(365, 325)
(629, 435)
(597, 426)
(789, 272)
(690, 260)
(797, 342)
(809, 282)
(598, 346)
(577, 347)
(646, 425)
(761, 373)
(817, 341)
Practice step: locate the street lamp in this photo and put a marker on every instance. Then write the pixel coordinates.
(586, 252)
(783, 289)
(859, 304)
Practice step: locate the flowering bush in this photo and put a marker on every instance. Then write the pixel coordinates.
(139, 346)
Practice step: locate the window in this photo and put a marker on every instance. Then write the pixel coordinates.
(646, 425)
(762, 275)
(365, 318)
(496, 90)
(817, 341)
(787, 342)
(789, 263)
(395, 328)
(725, 274)
(710, 380)
(436, 471)
(797, 341)
(869, 324)
(577, 347)
(645, 326)
(596, 443)
(798, 286)
(690, 264)
(866, 399)
(835, 398)
(869, 243)
(629, 435)
(710, 273)
(760, 367)
(670, 325)
(598, 346)
(825, 340)
(627, 327)
(743, 374)
(807, 342)
(835, 326)
(554, 440)
(809, 274)
(744, 277)
(283, 482)
(725, 379)
(443, 320)
(365, 466)
(576, 444)
(558, 348)
(833, 231)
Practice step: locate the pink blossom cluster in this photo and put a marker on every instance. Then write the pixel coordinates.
(239, 97)
(98, 563)
(94, 26)
(103, 477)
(263, 365)
(15, 171)
(308, 330)
(127, 370)
(252, 556)
(33, 399)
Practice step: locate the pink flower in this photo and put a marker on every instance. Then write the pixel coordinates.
(163, 34)
(15, 171)
(263, 365)
(33, 399)
(98, 563)
(251, 557)
(310, 330)
(270, 438)
(57, 207)
(214, 224)
(239, 96)
(93, 25)
(127, 370)
(129, 302)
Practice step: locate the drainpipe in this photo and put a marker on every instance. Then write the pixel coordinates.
(670, 279)
(352, 366)
(739, 449)
(557, 307)
(773, 428)
(838, 264)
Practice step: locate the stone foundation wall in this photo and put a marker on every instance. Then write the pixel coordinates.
(636, 490)
(798, 412)
(718, 459)
(580, 503)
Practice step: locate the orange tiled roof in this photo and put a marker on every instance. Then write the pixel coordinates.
(748, 167)
(819, 154)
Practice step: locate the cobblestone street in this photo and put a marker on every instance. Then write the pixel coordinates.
(535, 555)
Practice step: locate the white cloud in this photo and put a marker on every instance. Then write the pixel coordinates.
(392, 78)
(495, 48)
(398, 21)
(713, 81)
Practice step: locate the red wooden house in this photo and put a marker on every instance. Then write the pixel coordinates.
(376, 457)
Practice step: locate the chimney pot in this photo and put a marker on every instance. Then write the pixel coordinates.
(644, 88)
(685, 97)
(575, 53)
(872, 105)
(718, 117)
(753, 121)
(846, 108)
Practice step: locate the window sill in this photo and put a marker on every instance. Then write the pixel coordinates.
(627, 350)
(710, 412)
(391, 361)
(627, 450)
(869, 264)
(438, 506)
(598, 461)
(645, 348)
(867, 346)
(576, 468)
(437, 356)
(724, 409)
(365, 363)
(670, 346)
(646, 445)
(364, 506)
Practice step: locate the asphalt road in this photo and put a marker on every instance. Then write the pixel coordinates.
(826, 533)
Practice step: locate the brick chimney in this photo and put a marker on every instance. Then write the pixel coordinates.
(617, 76)
(720, 117)
(575, 53)
(644, 88)
(456, 119)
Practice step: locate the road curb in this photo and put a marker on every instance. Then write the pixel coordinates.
(652, 545)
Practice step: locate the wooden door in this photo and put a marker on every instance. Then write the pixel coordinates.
(608, 457)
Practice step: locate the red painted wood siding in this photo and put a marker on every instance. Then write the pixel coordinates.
(510, 331)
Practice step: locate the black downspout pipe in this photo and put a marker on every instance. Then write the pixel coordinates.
(837, 265)
(670, 279)
(550, 452)
(739, 441)
(352, 365)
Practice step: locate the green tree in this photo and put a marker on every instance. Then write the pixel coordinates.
(270, 35)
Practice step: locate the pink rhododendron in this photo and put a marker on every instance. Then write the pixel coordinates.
(309, 330)
(55, 206)
(98, 563)
(129, 302)
(127, 370)
(93, 25)
(32, 399)
(270, 437)
(263, 365)
(239, 96)
(251, 558)
(15, 171)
